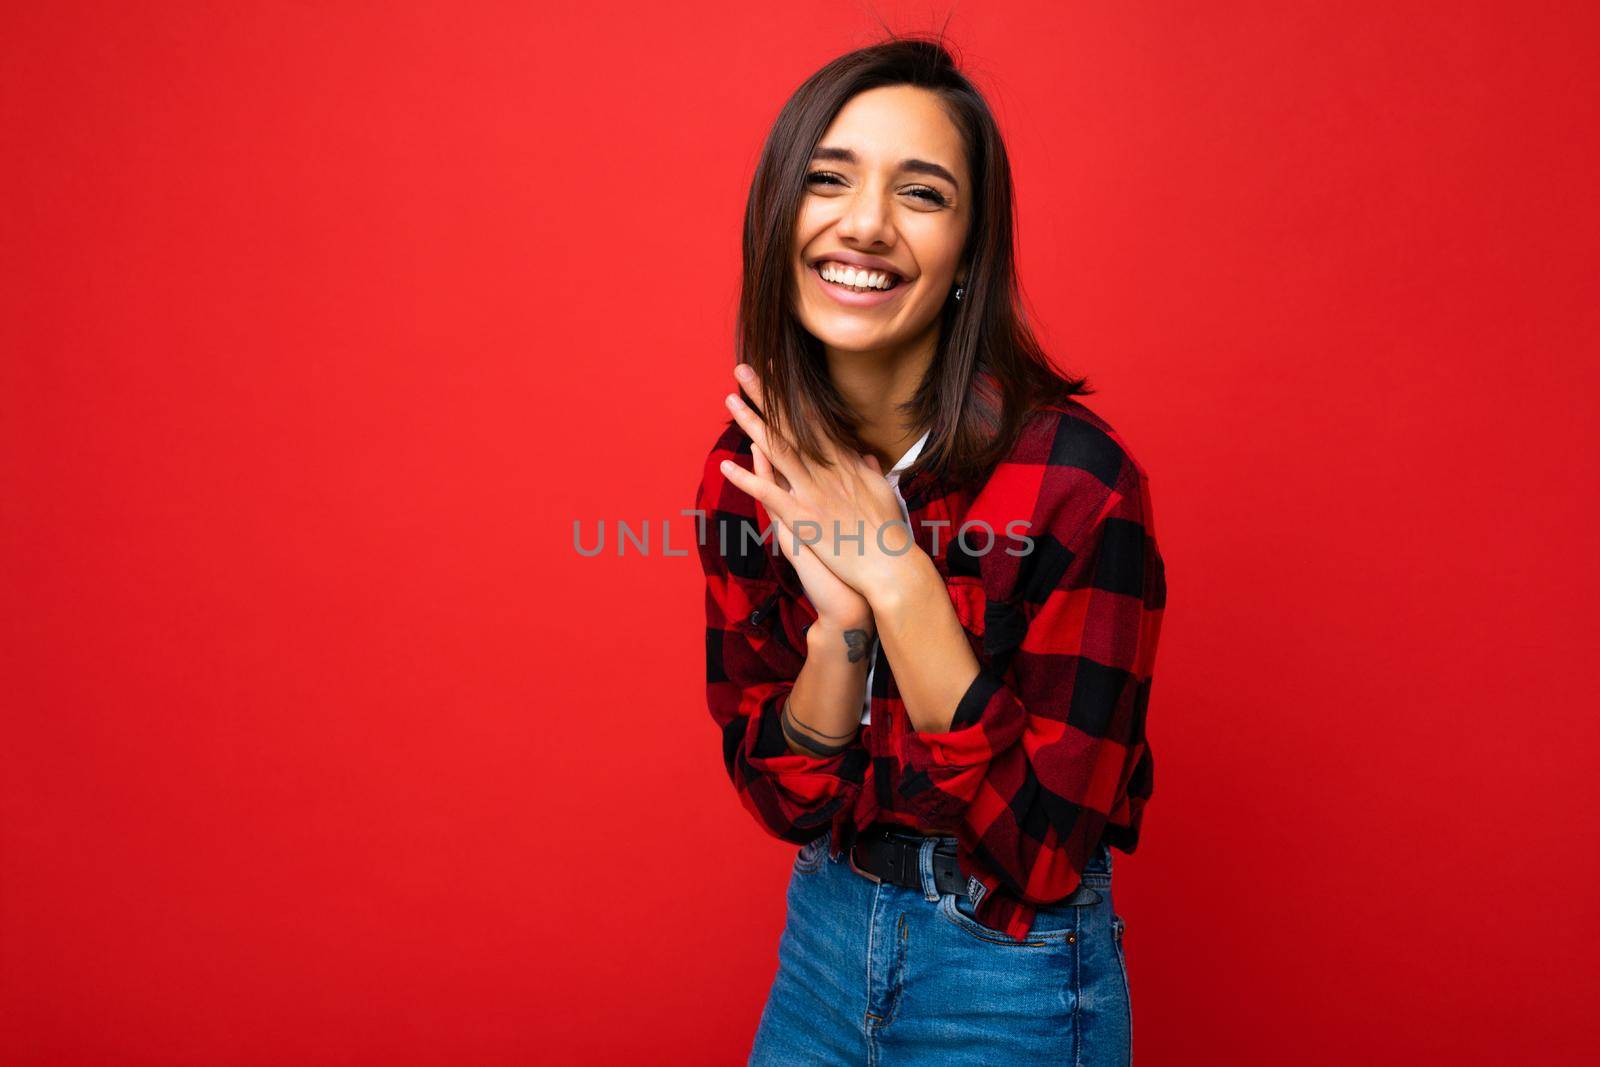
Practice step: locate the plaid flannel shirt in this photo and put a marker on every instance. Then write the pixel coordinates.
(1046, 752)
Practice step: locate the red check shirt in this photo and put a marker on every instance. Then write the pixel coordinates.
(1046, 753)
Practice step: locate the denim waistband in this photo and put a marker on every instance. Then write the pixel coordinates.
(1099, 856)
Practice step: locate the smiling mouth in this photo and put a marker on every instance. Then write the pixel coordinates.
(856, 280)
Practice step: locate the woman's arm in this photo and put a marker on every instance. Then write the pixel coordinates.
(924, 642)
(822, 714)
(753, 664)
(1036, 757)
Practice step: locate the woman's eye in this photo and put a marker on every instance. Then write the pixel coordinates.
(921, 192)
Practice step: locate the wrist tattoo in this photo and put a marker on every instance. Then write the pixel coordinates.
(855, 645)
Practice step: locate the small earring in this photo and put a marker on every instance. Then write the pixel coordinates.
(959, 291)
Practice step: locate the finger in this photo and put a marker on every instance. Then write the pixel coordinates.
(764, 468)
(764, 492)
(799, 552)
(751, 381)
(794, 550)
(762, 463)
(781, 532)
(783, 456)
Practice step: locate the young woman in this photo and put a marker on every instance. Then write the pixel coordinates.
(933, 595)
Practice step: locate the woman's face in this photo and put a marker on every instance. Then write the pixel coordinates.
(887, 188)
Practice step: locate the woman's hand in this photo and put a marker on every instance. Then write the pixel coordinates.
(836, 603)
(847, 517)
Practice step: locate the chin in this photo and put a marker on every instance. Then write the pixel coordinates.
(845, 339)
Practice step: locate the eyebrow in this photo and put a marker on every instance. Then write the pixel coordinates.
(916, 166)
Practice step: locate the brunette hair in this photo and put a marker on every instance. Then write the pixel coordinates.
(989, 371)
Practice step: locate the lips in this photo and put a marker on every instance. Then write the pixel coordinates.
(859, 262)
(838, 266)
(858, 298)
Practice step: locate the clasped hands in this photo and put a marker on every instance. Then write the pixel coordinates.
(840, 527)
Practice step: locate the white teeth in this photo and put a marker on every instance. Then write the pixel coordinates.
(855, 277)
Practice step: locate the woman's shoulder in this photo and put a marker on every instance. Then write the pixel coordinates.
(1069, 471)
(1069, 439)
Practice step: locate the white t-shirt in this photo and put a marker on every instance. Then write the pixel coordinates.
(893, 477)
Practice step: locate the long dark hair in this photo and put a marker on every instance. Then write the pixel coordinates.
(989, 371)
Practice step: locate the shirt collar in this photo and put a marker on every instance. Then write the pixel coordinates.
(909, 458)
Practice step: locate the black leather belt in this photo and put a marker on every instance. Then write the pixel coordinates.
(888, 855)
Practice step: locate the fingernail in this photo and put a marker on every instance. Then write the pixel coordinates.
(743, 372)
(732, 401)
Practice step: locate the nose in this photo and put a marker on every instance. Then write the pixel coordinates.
(866, 218)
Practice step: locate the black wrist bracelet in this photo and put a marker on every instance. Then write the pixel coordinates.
(806, 742)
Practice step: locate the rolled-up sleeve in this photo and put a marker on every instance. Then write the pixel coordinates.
(754, 654)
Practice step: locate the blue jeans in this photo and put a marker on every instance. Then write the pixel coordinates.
(874, 973)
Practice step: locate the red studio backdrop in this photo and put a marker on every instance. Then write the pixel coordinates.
(322, 324)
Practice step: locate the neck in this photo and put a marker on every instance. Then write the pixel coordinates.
(876, 384)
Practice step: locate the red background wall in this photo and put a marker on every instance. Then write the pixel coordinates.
(322, 323)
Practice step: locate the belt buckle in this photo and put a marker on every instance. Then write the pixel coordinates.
(865, 874)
